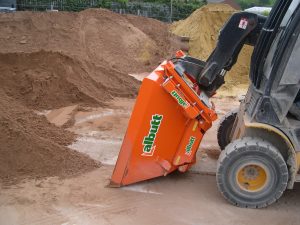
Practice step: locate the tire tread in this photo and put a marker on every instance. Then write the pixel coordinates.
(241, 145)
(224, 125)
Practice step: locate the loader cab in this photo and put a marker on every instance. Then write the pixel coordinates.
(275, 68)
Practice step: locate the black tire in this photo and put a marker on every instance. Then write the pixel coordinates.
(260, 164)
(225, 127)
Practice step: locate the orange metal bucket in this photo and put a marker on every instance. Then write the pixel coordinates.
(165, 129)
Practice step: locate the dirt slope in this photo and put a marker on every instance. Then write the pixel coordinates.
(203, 27)
(32, 147)
(47, 80)
(98, 36)
(88, 53)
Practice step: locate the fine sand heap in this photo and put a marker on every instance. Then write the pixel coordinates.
(79, 57)
(48, 80)
(51, 60)
(98, 36)
(32, 147)
(203, 27)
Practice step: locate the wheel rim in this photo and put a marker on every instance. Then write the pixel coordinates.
(252, 177)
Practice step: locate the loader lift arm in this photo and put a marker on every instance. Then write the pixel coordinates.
(242, 28)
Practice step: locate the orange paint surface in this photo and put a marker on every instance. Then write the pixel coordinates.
(165, 129)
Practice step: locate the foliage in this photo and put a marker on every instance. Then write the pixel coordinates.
(265, 13)
(159, 9)
(181, 10)
(251, 3)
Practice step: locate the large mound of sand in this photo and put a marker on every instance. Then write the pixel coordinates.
(78, 57)
(47, 80)
(98, 36)
(51, 60)
(203, 27)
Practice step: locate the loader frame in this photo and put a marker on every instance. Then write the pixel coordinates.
(275, 83)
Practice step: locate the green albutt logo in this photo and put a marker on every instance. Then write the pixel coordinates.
(179, 99)
(149, 140)
(188, 148)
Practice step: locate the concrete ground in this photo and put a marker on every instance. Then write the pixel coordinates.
(190, 198)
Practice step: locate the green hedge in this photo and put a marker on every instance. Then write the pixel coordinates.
(159, 9)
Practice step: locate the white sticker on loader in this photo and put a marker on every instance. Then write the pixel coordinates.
(243, 23)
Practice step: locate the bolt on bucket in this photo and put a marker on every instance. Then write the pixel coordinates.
(165, 129)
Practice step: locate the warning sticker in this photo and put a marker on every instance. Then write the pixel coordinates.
(243, 23)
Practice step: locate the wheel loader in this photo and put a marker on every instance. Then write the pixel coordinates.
(259, 141)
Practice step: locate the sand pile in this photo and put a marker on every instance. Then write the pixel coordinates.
(48, 80)
(32, 147)
(97, 36)
(80, 57)
(203, 27)
(52, 60)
